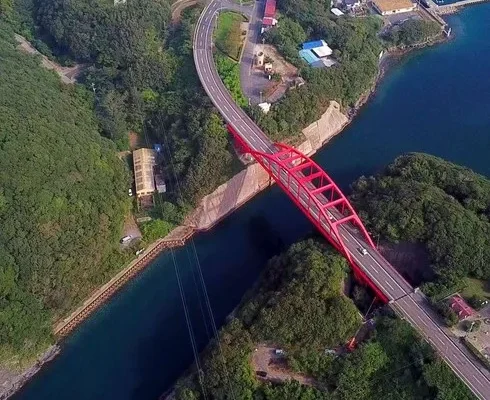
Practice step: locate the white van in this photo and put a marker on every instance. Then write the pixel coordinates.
(126, 239)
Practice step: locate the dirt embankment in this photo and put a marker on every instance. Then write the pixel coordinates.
(68, 75)
(253, 179)
(179, 6)
(273, 367)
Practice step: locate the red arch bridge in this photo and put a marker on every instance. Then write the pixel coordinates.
(319, 198)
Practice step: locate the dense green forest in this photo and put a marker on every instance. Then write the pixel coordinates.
(298, 305)
(63, 198)
(421, 198)
(356, 47)
(413, 32)
(62, 211)
(142, 73)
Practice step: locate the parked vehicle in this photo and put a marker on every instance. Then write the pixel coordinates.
(263, 374)
(126, 239)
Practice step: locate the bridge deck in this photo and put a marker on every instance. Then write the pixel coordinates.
(347, 237)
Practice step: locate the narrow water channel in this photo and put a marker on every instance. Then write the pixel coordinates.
(436, 101)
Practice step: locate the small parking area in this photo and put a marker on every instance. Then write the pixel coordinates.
(130, 229)
(398, 19)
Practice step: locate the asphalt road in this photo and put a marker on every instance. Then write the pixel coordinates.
(408, 303)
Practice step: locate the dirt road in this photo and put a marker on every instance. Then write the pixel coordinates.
(265, 359)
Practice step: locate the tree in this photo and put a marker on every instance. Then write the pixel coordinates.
(447, 386)
(155, 229)
(354, 381)
(5, 7)
(413, 32)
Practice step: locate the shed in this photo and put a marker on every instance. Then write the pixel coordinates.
(322, 51)
(336, 11)
(308, 56)
(265, 107)
(143, 163)
(313, 44)
(269, 21)
(349, 4)
(159, 181)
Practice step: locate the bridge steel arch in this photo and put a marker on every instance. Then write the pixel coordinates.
(317, 196)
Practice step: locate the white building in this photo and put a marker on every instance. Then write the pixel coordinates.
(388, 7)
(335, 11)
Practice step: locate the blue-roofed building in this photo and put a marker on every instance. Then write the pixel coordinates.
(308, 56)
(316, 53)
(314, 44)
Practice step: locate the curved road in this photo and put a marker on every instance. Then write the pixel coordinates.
(407, 302)
(214, 87)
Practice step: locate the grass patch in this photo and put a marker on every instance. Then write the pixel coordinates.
(228, 35)
(229, 72)
(476, 287)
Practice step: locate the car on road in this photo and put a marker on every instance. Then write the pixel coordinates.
(139, 252)
(363, 251)
(126, 239)
(130, 192)
(263, 374)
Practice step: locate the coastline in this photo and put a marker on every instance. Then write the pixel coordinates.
(192, 225)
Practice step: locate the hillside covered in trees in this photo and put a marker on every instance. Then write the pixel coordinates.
(63, 197)
(297, 305)
(142, 73)
(446, 207)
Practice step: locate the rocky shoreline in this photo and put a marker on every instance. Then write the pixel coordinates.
(13, 385)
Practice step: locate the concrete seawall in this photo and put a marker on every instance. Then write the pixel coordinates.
(453, 7)
(176, 238)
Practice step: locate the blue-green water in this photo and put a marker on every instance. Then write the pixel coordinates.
(435, 101)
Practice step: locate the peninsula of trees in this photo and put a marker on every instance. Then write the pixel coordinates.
(445, 207)
(298, 307)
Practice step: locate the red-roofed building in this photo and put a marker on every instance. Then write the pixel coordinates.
(460, 307)
(270, 9)
(268, 21)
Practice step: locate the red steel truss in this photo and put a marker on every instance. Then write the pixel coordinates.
(316, 194)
